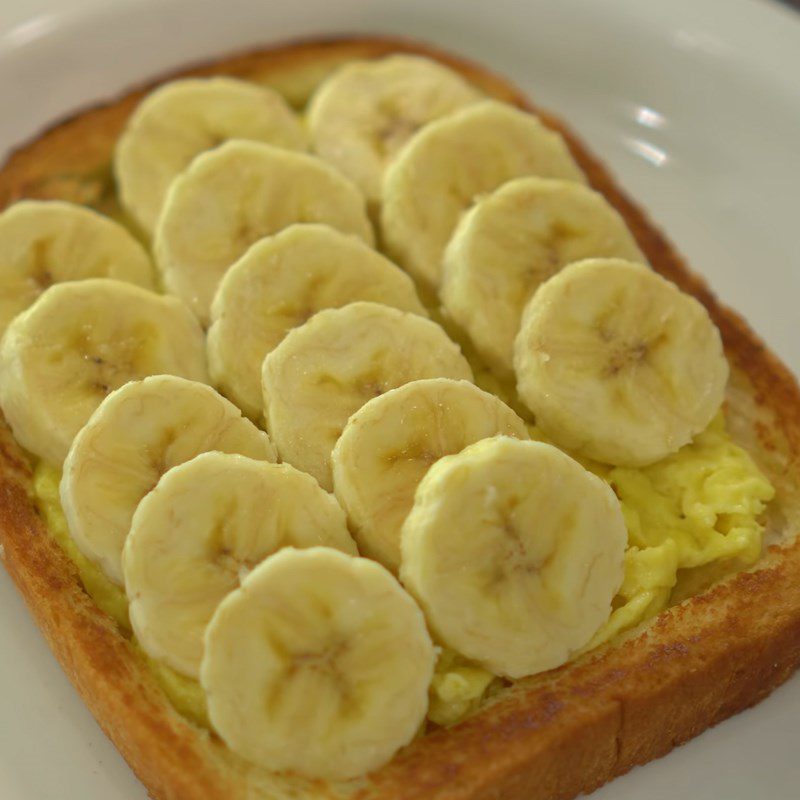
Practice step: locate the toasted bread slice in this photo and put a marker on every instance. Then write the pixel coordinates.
(548, 737)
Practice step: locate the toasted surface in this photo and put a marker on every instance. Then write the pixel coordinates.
(549, 737)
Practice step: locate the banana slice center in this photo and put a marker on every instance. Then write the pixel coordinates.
(558, 238)
(394, 131)
(322, 664)
(513, 557)
(626, 356)
(108, 363)
(224, 554)
(39, 274)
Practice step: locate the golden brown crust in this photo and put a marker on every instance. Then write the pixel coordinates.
(548, 738)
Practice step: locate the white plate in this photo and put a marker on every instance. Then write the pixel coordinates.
(694, 103)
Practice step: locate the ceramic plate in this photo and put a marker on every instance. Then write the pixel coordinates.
(695, 104)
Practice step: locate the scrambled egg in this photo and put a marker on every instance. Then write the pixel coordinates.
(698, 506)
(695, 508)
(457, 688)
(107, 595)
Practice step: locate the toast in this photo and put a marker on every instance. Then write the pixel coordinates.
(548, 737)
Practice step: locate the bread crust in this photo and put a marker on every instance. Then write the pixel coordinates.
(549, 737)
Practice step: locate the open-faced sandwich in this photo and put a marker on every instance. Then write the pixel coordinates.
(363, 440)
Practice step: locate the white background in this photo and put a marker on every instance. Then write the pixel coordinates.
(694, 103)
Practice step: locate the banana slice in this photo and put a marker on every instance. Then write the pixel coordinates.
(234, 195)
(136, 435)
(183, 118)
(515, 552)
(47, 242)
(278, 284)
(319, 664)
(514, 240)
(617, 363)
(77, 343)
(361, 116)
(451, 162)
(390, 443)
(325, 370)
(207, 523)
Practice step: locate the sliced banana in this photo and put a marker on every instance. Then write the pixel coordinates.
(43, 242)
(136, 435)
(451, 162)
(234, 195)
(515, 553)
(207, 523)
(77, 343)
(183, 118)
(319, 664)
(617, 363)
(512, 241)
(281, 282)
(366, 111)
(390, 443)
(325, 370)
